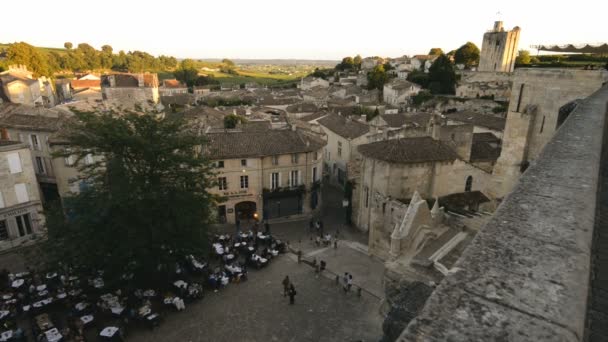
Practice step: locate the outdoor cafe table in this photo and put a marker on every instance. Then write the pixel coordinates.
(53, 335)
(81, 306)
(180, 283)
(17, 283)
(117, 310)
(109, 332)
(42, 303)
(86, 319)
(6, 335)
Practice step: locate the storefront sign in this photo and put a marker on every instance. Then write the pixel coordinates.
(240, 193)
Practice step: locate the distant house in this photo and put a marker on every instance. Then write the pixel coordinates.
(63, 89)
(399, 92)
(130, 89)
(311, 82)
(402, 74)
(343, 136)
(20, 90)
(172, 87)
(88, 81)
(369, 63)
(17, 85)
(424, 62)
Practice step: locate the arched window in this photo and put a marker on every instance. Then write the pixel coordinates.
(469, 184)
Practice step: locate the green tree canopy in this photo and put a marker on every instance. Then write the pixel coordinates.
(228, 62)
(442, 76)
(357, 62)
(230, 121)
(68, 45)
(348, 63)
(436, 52)
(377, 78)
(523, 57)
(187, 72)
(468, 54)
(419, 77)
(143, 204)
(24, 53)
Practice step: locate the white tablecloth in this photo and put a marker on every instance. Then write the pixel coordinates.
(108, 331)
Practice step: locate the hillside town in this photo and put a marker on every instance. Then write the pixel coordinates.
(370, 174)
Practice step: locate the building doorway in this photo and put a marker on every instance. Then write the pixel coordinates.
(245, 210)
(221, 213)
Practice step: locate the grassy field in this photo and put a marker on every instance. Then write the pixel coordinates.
(45, 49)
(265, 74)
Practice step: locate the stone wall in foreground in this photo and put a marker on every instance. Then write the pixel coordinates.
(525, 277)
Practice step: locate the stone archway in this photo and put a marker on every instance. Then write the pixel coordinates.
(245, 210)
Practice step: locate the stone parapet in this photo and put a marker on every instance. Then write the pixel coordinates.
(525, 277)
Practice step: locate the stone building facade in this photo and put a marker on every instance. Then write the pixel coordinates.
(476, 84)
(21, 219)
(270, 174)
(540, 102)
(130, 90)
(395, 169)
(343, 137)
(34, 130)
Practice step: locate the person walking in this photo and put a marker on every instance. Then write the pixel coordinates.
(345, 282)
(286, 284)
(349, 282)
(292, 294)
(266, 228)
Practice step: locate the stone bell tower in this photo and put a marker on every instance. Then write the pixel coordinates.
(499, 49)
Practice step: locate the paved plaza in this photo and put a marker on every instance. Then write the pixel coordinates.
(256, 310)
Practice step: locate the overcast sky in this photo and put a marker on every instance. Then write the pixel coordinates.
(306, 29)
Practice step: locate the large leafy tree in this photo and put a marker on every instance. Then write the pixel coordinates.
(468, 54)
(377, 78)
(33, 58)
(143, 204)
(442, 76)
(523, 57)
(436, 51)
(187, 72)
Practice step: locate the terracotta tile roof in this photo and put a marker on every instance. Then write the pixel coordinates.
(408, 150)
(173, 84)
(398, 120)
(346, 128)
(484, 120)
(425, 57)
(485, 147)
(30, 122)
(86, 83)
(238, 144)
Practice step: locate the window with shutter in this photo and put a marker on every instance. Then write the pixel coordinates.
(14, 162)
(21, 192)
